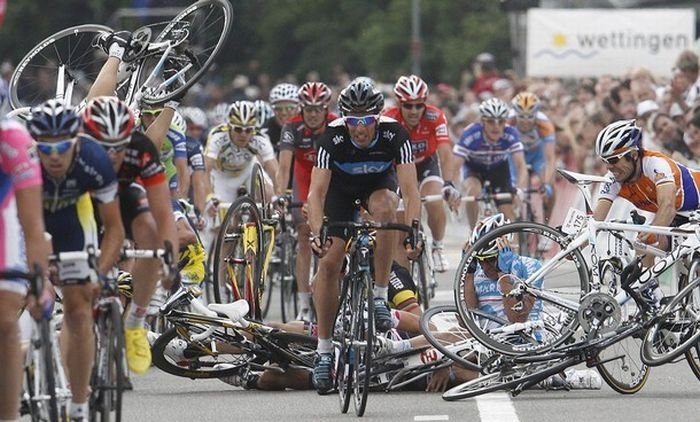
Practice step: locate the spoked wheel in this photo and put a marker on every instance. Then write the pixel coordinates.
(288, 281)
(109, 376)
(676, 329)
(41, 373)
(258, 188)
(692, 356)
(66, 59)
(175, 354)
(551, 321)
(621, 366)
(237, 255)
(198, 34)
(343, 370)
(442, 327)
(363, 336)
(508, 377)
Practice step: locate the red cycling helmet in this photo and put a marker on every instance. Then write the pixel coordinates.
(314, 94)
(108, 120)
(411, 88)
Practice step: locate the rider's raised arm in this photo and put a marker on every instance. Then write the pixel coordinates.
(158, 130)
(106, 82)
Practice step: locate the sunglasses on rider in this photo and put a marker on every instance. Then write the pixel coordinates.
(491, 120)
(243, 129)
(115, 147)
(526, 116)
(314, 109)
(152, 112)
(364, 120)
(60, 147)
(284, 108)
(409, 106)
(614, 159)
(487, 258)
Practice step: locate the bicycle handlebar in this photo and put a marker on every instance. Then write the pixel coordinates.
(362, 226)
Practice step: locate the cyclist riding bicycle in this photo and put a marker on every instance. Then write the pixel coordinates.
(650, 180)
(74, 169)
(360, 156)
(300, 137)
(232, 150)
(482, 153)
(431, 145)
(145, 202)
(537, 137)
(284, 99)
(23, 243)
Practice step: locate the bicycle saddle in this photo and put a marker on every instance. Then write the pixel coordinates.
(234, 311)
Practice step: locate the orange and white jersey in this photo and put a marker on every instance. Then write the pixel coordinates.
(657, 169)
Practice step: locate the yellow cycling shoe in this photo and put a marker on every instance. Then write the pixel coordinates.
(138, 351)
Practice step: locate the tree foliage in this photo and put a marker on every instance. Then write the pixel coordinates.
(370, 37)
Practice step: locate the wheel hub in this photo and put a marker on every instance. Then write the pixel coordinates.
(600, 312)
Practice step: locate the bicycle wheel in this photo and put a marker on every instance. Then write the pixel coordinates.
(419, 271)
(288, 281)
(621, 367)
(37, 75)
(198, 34)
(564, 282)
(692, 356)
(175, 354)
(296, 349)
(108, 374)
(342, 333)
(237, 263)
(509, 377)
(45, 369)
(676, 329)
(363, 336)
(257, 189)
(442, 327)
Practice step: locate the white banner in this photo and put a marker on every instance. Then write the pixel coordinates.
(593, 42)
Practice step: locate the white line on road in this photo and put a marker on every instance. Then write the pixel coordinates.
(496, 407)
(431, 418)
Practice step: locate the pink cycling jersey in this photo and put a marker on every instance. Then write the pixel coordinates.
(19, 169)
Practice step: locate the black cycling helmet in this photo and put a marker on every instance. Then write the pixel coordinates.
(53, 119)
(360, 97)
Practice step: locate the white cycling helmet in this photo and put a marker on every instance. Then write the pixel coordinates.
(482, 228)
(195, 116)
(618, 138)
(243, 113)
(494, 108)
(284, 92)
(264, 112)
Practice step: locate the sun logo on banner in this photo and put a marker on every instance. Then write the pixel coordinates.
(559, 39)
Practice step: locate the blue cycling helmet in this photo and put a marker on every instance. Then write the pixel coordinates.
(54, 119)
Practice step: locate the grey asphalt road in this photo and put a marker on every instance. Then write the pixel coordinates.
(671, 394)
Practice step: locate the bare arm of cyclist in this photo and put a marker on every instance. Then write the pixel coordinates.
(106, 82)
(113, 235)
(159, 200)
(406, 175)
(282, 179)
(31, 217)
(602, 208)
(521, 168)
(271, 168)
(158, 130)
(665, 197)
(550, 159)
(320, 180)
(183, 183)
(470, 297)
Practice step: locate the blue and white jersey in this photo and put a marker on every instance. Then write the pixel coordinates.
(491, 300)
(68, 211)
(481, 155)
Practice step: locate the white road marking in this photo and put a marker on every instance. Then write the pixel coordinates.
(431, 418)
(496, 407)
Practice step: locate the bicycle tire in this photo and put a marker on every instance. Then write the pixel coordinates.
(569, 278)
(192, 371)
(363, 329)
(343, 361)
(288, 282)
(107, 387)
(658, 351)
(508, 379)
(443, 338)
(48, 373)
(83, 66)
(213, 19)
(692, 356)
(625, 374)
(243, 211)
(419, 270)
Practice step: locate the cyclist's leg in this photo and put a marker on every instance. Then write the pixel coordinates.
(382, 206)
(10, 351)
(431, 182)
(400, 255)
(472, 187)
(302, 269)
(77, 338)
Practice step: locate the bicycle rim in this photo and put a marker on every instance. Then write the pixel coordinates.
(199, 33)
(48, 373)
(363, 333)
(625, 373)
(419, 270)
(288, 282)
(692, 356)
(441, 326)
(676, 329)
(197, 360)
(35, 77)
(344, 371)
(567, 281)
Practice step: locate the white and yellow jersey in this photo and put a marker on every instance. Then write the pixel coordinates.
(233, 159)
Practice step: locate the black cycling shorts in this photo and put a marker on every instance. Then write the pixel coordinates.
(429, 169)
(340, 200)
(499, 177)
(402, 288)
(132, 202)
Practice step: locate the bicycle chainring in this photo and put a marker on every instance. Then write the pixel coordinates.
(600, 312)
